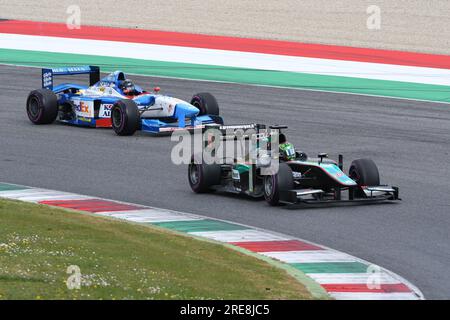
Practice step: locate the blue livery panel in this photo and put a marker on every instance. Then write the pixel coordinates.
(49, 73)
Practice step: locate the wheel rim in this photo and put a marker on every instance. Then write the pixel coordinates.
(268, 186)
(33, 108)
(194, 174)
(116, 117)
(197, 104)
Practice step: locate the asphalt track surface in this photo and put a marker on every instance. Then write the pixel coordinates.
(408, 140)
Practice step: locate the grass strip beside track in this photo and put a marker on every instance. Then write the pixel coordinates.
(124, 261)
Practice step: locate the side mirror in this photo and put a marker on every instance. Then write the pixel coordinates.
(321, 156)
(301, 156)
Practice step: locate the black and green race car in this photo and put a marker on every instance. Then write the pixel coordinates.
(298, 179)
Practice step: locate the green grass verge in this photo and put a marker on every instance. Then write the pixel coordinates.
(121, 260)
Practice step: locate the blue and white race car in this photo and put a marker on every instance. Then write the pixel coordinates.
(116, 101)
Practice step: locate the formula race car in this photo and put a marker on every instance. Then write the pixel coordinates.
(298, 180)
(116, 101)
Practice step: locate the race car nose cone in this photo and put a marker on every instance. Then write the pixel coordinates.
(187, 109)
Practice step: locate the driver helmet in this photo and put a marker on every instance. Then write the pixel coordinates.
(127, 87)
(287, 150)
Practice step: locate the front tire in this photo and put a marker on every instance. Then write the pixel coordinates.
(364, 172)
(42, 106)
(203, 176)
(274, 184)
(206, 103)
(125, 118)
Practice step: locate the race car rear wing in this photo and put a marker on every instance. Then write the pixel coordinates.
(226, 130)
(229, 131)
(258, 138)
(256, 126)
(49, 73)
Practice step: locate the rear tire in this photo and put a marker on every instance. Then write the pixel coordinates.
(203, 176)
(206, 103)
(125, 117)
(281, 181)
(364, 172)
(42, 106)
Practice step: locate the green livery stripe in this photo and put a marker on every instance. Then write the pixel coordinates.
(11, 187)
(396, 89)
(331, 267)
(200, 225)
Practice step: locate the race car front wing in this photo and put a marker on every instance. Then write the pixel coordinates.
(354, 195)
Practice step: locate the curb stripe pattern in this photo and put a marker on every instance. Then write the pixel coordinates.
(229, 59)
(382, 73)
(150, 216)
(384, 288)
(280, 246)
(341, 275)
(332, 267)
(270, 78)
(319, 256)
(277, 47)
(349, 278)
(89, 205)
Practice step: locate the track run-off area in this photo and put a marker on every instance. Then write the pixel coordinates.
(407, 139)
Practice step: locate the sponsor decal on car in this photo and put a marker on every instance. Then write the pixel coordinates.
(71, 69)
(47, 79)
(105, 110)
(84, 108)
(84, 119)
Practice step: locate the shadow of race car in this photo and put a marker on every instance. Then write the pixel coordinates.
(115, 101)
(299, 179)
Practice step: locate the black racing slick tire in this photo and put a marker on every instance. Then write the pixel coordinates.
(125, 118)
(206, 103)
(274, 184)
(42, 106)
(364, 172)
(203, 176)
